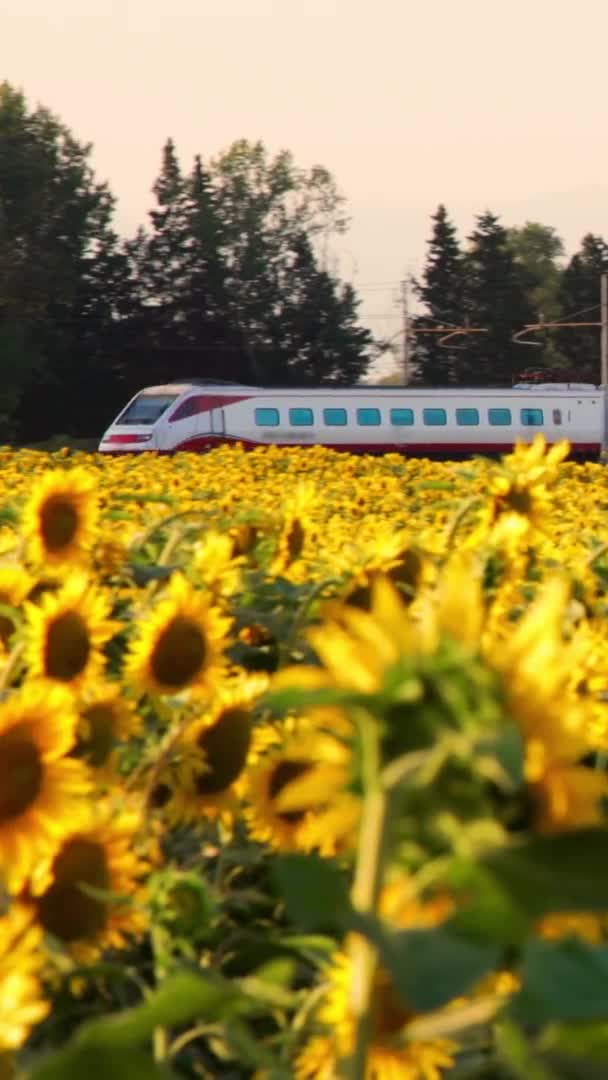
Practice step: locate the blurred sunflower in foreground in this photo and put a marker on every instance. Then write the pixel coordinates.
(41, 787)
(390, 1056)
(21, 961)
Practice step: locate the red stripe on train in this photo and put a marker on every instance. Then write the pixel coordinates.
(200, 403)
(201, 443)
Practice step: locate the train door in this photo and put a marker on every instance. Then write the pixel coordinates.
(581, 420)
(218, 422)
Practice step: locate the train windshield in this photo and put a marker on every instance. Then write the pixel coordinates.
(146, 408)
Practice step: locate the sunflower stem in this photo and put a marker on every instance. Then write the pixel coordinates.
(369, 872)
(11, 666)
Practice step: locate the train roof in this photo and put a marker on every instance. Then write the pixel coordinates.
(221, 386)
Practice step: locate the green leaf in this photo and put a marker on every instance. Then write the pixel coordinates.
(565, 980)
(507, 748)
(279, 701)
(589, 1040)
(489, 912)
(432, 967)
(315, 892)
(142, 575)
(518, 1054)
(563, 872)
(75, 1061)
(508, 889)
(109, 1048)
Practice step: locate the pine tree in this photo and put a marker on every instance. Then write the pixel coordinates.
(56, 293)
(579, 296)
(442, 290)
(314, 334)
(496, 301)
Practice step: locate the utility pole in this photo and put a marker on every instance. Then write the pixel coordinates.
(604, 364)
(406, 334)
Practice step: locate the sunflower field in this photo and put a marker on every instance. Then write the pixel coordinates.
(303, 766)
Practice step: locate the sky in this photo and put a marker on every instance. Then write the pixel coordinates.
(478, 104)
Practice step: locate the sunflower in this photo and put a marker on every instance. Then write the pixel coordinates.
(66, 632)
(520, 497)
(536, 666)
(15, 585)
(180, 645)
(21, 1002)
(102, 856)
(298, 794)
(357, 647)
(387, 1059)
(297, 529)
(60, 517)
(215, 564)
(389, 553)
(206, 779)
(39, 783)
(106, 718)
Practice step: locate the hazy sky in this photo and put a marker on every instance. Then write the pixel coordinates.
(474, 103)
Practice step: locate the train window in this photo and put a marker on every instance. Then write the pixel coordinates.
(557, 416)
(147, 408)
(531, 417)
(499, 417)
(467, 417)
(335, 417)
(300, 417)
(402, 417)
(368, 417)
(267, 417)
(434, 417)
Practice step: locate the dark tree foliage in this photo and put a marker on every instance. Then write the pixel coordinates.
(443, 292)
(579, 296)
(228, 283)
(59, 266)
(496, 299)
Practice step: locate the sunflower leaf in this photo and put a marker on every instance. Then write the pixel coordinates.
(110, 1047)
(563, 980)
(315, 892)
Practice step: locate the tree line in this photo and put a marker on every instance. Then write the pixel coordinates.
(499, 281)
(225, 281)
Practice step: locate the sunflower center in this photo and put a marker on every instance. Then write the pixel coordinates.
(99, 741)
(20, 773)
(244, 538)
(518, 499)
(65, 910)
(407, 572)
(179, 654)
(58, 522)
(67, 647)
(294, 539)
(225, 745)
(282, 775)
(389, 1013)
(7, 629)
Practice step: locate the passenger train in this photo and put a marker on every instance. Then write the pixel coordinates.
(198, 415)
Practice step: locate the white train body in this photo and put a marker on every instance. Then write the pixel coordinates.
(195, 416)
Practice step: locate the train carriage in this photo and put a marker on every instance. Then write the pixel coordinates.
(198, 415)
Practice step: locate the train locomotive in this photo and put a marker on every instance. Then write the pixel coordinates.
(197, 415)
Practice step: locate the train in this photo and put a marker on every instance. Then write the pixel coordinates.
(197, 415)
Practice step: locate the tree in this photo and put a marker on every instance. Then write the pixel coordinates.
(54, 236)
(496, 301)
(229, 281)
(536, 249)
(579, 296)
(442, 290)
